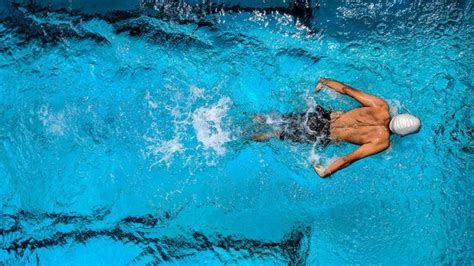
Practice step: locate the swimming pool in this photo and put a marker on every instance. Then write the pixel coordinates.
(123, 136)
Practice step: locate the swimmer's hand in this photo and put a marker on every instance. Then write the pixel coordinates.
(320, 170)
(321, 83)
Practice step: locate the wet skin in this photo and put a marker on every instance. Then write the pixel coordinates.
(361, 125)
(366, 126)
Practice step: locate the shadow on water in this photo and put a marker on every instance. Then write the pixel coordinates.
(139, 125)
(141, 231)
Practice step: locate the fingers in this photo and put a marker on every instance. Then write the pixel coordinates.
(319, 87)
(321, 83)
(320, 170)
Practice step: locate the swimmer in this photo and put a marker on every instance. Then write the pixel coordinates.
(369, 126)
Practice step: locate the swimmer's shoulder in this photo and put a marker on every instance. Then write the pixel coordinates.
(382, 140)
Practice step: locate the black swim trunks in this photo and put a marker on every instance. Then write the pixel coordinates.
(310, 127)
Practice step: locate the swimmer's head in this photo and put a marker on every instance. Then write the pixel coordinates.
(404, 124)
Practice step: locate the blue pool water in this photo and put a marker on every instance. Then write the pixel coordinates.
(124, 138)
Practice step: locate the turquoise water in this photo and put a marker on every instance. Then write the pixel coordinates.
(126, 140)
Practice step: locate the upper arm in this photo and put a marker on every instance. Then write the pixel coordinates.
(364, 98)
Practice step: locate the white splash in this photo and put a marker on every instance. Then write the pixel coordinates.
(161, 150)
(272, 119)
(395, 106)
(53, 122)
(197, 93)
(209, 126)
(314, 157)
(151, 102)
(166, 149)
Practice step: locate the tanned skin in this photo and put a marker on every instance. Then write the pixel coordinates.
(366, 126)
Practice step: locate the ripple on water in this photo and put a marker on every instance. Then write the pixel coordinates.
(137, 141)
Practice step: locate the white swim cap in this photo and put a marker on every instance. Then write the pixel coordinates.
(404, 124)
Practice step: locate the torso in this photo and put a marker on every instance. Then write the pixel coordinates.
(361, 125)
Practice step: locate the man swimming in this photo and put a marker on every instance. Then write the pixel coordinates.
(369, 126)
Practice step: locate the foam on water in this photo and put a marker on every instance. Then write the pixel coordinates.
(166, 149)
(54, 122)
(121, 134)
(314, 156)
(212, 126)
(167, 140)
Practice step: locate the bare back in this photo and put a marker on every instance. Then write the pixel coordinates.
(367, 126)
(361, 125)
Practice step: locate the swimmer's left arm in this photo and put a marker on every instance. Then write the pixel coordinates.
(362, 152)
(362, 97)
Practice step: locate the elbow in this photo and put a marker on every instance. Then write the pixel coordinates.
(381, 146)
(345, 89)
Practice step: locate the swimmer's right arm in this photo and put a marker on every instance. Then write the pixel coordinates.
(362, 152)
(364, 98)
